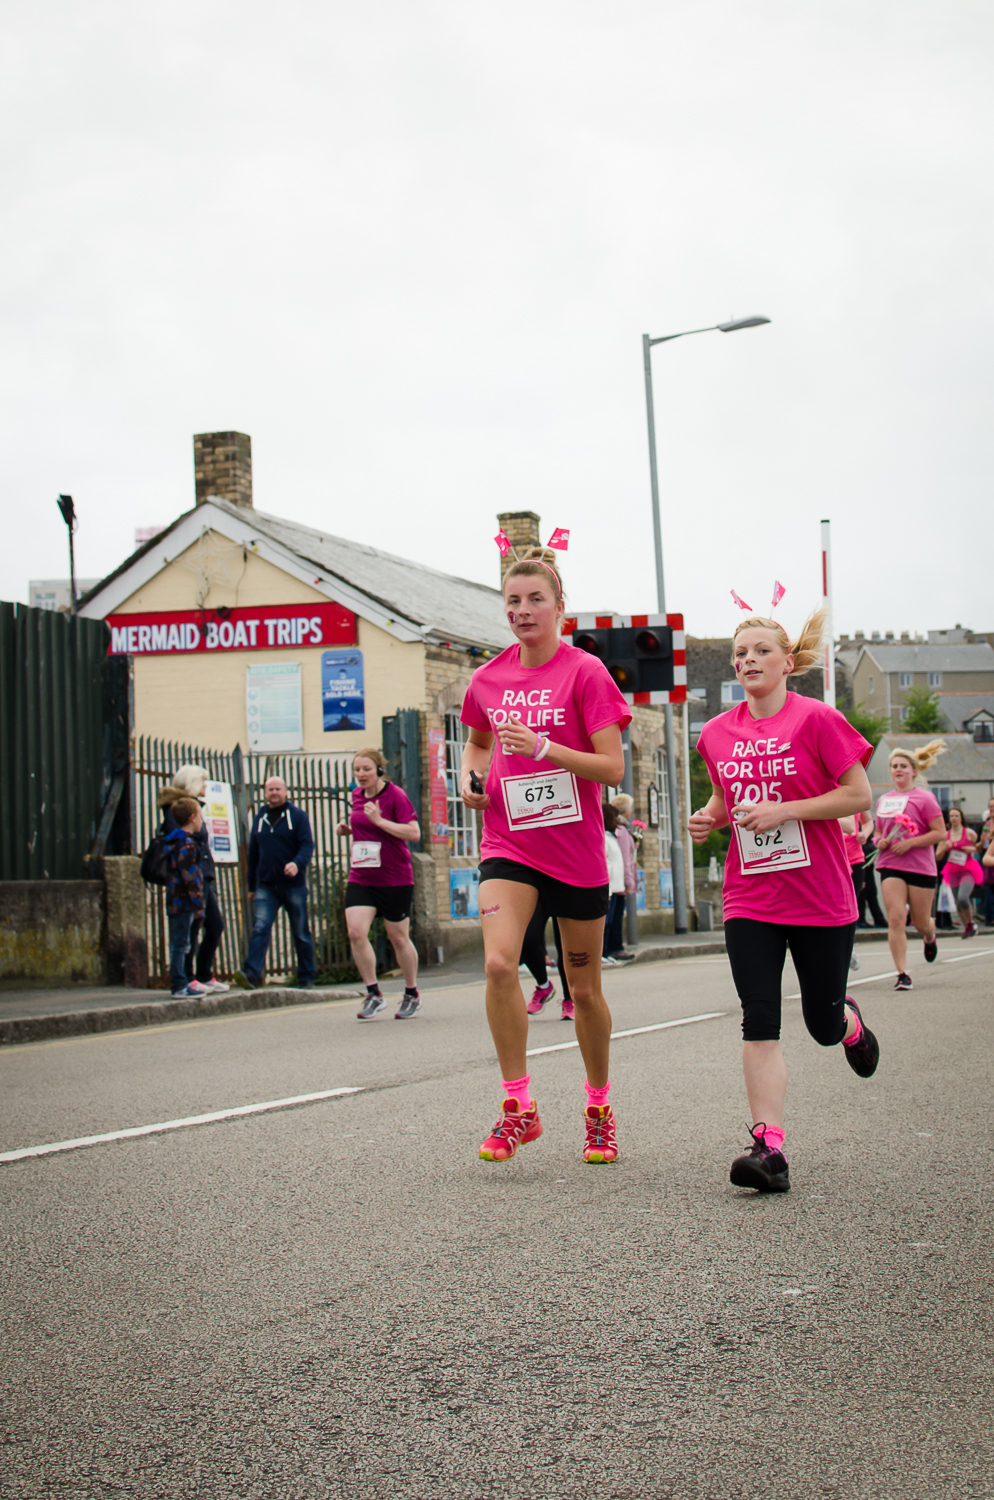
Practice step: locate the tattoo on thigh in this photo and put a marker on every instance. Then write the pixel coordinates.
(488, 911)
(578, 960)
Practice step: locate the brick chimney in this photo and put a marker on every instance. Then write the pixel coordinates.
(522, 527)
(222, 465)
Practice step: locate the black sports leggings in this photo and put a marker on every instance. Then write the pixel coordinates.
(757, 951)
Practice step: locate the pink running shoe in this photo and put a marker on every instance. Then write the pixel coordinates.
(543, 994)
(602, 1143)
(569, 1013)
(516, 1127)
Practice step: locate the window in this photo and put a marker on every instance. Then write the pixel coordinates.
(905, 680)
(942, 794)
(700, 692)
(663, 830)
(732, 692)
(983, 731)
(462, 819)
(869, 684)
(903, 712)
(935, 679)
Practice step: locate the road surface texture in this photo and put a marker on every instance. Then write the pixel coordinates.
(339, 1299)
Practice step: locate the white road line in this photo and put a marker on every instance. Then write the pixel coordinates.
(218, 1114)
(977, 953)
(852, 983)
(711, 1015)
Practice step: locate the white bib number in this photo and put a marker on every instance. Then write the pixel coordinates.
(366, 854)
(957, 856)
(890, 806)
(782, 848)
(539, 801)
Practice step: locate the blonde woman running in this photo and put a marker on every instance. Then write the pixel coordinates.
(909, 825)
(784, 769)
(545, 722)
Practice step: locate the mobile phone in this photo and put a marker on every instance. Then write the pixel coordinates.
(475, 784)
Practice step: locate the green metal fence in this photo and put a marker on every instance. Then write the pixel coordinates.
(317, 783)
(57, 752)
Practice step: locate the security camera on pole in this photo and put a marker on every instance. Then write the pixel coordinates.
(677, 856)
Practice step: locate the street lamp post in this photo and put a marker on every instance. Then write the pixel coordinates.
(677, 857)
(69, 516)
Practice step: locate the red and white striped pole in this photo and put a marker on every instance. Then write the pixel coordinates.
(828, 670)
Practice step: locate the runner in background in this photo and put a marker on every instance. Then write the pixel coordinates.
(909, 824)
(962, 872)
(868, 895)
(855, 831)
(381, 879)
(533, 955)
(545, 722)
(784, 769)
(986, 844)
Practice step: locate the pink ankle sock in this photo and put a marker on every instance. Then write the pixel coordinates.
(850, 1041)
(597, 1098)
(519, 1088)
(773, 1136)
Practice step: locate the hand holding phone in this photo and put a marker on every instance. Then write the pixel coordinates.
(475, 784)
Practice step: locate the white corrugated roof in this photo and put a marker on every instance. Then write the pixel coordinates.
(963, 760)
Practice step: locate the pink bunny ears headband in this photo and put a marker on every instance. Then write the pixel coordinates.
(558, 542)
(778, 593)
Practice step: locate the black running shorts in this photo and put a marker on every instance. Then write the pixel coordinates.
(571, 903)
(392, 902)
(910, 877)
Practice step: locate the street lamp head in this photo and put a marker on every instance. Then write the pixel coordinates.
(68, 511)
(737, 323)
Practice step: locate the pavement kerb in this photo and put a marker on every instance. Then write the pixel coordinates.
(161, 1012)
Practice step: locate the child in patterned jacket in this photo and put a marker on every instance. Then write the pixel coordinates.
(184, 893)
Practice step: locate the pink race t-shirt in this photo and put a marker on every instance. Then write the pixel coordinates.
(539, 814)
(797, 874)
(921, 807)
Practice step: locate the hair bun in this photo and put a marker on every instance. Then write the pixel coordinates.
(540, 554)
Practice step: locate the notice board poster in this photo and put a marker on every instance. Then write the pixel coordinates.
(274, 706)
(219, 816)
(439, 799)
(343, 702)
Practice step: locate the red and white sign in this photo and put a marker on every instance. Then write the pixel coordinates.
(678, 692)
(268, 627)
(439, 787)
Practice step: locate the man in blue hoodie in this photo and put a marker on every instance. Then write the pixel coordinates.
(280, 848)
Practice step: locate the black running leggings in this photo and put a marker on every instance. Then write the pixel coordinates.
(533, 949)
(757, 951)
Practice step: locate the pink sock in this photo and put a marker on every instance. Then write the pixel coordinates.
(850, 1041)
(518, 1088)
(597, 1098)
(773, 1136)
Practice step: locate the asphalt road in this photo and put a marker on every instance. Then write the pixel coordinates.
(341, 1300)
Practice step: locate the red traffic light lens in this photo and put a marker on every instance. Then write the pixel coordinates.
(648, 640)
(587, 642)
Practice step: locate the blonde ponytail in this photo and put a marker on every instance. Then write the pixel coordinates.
(806, 650)
(923, 758)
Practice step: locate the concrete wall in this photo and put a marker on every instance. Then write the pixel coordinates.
(201, 697)
(51, 932)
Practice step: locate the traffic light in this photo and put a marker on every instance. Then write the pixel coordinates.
(645, 654)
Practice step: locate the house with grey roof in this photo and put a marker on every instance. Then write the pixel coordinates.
(883, 673)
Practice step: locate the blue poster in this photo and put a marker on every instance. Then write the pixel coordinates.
(666, 889)
(343, 702)
(464, 889)
(640, 903)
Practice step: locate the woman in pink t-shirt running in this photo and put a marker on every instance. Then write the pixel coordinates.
(909, 825)
(545, 722)
(784, 769)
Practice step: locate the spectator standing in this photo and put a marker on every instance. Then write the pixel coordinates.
(205, 936)
(184, 893)
(986, 846)
(281, 845)
(624, 806)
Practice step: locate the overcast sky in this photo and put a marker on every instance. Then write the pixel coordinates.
(411, 247)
